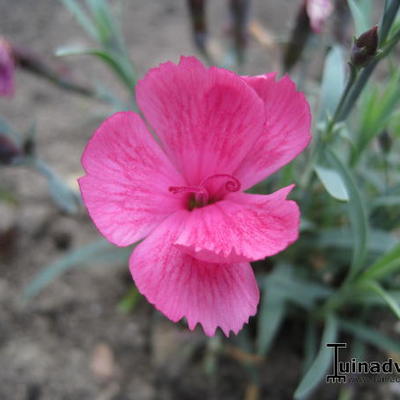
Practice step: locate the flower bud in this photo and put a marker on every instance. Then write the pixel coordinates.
(365, 47)
(8, 150)
(7, 67)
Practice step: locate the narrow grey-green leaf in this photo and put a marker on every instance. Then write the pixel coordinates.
(78, 12)
(371, 298)
(121, 66)
(387, 264)
(332, 182)
(357, 213)
(310, 344)
(304, 293)
(97, 252)
(390, 301)
(333, 81)
(321, 364)
(378, 107)
(65, 198)
(385, 201)
(271, 314)
(389, 16)
(380, 241)
(370, 336)
(102, 17)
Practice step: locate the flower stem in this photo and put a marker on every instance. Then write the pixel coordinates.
(391, 8)
(356, 90)
(339, 109)
(319, 140)
(353, 89)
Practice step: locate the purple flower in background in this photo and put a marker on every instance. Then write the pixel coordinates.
(7, 67)
(318, 11)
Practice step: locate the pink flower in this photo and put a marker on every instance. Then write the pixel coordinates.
(182, 191)
(7, 67)
(318, 11)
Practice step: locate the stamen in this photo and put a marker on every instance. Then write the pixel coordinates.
(210, 190)
(187, 189)
(231, 185)
(200, 193)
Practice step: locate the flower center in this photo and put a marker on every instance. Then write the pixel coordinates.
(210, 190)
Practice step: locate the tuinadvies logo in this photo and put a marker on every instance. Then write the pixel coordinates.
(341, 369)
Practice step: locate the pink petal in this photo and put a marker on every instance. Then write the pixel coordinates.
(126, 186)
(286, 131)
(206, 118)
(243, 227)
(214, 295)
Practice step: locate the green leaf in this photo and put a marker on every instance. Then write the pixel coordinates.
(77, 11)
(385, 201)
(332, 182)
(390, 301)
(377, 109)
(321, 363)
(310, 344)
(390, 12)
(371, 298)
(97, 252)
(65, 198)
(343, 238)
(356, 210)
(304, 293)
(108, 27)
(297, 290)
(109, 31)
(387, 264)
(370, 336)
(333, 82)
(360, 17)
(358, 349)
(102, 17)
(278, 288)
(119, 64)
(271, 315)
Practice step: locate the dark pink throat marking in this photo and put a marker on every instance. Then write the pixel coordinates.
(210, 190)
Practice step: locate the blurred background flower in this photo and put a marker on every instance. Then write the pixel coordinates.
(7, 67)
(318, 12)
